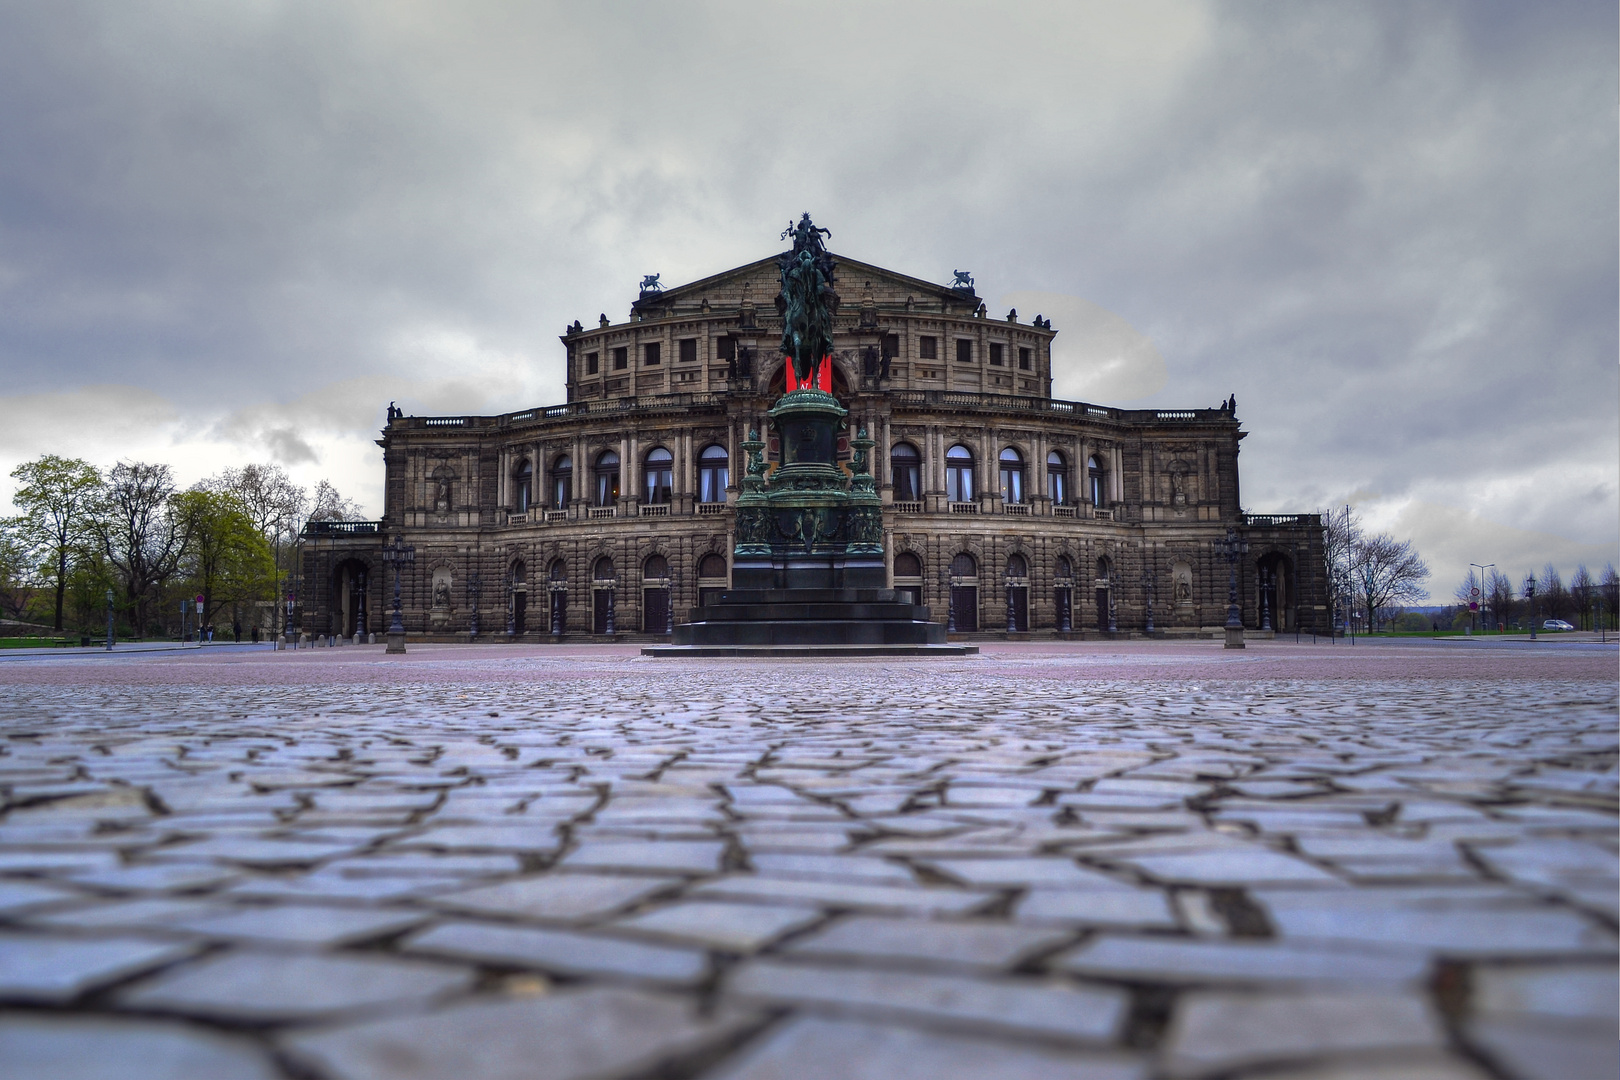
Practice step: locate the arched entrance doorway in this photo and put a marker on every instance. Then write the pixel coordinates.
(1275, 590)
(1105, 591)
(350, 605)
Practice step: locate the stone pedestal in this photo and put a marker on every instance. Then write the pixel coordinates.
(1234, 637)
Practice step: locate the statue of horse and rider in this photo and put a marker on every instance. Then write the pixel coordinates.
(807, 304)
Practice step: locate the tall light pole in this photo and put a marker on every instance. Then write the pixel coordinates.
(399, 556)
(1233, 547)
(1530, 595)
(1480, 592)
(109, 620)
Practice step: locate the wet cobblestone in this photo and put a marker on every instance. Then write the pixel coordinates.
(1077, 861)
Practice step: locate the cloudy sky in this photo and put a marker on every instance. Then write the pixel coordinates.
(233, 232)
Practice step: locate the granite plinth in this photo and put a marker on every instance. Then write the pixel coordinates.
(809, 622)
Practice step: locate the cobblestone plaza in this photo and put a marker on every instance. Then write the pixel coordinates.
(1114, 860)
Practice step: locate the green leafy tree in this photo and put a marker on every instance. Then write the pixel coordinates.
(56, 497)
(16, 575)
(277, 507)
(228, 556)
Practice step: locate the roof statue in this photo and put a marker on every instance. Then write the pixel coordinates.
(649, 284)
(961, 280)
(807, 301)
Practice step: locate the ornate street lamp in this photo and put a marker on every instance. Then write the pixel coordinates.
(950, 604)
(511, 605)
(399, 556)
(669, 606)
(1265, 598)
(475, 591)
(1012, 623)
(1530, 595)
(1065, 619)
(1113, 605)
(1233, 547)
(610, 629)
(360, 611)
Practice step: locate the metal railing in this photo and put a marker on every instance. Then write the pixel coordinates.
(323, 528)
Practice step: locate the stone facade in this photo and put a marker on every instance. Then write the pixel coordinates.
(1003, 507)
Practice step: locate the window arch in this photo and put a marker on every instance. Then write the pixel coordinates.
(712, 566)
(659, 475)
(964, 565)
(905, 468)
(1017, 566)
(1057, 478)
(603, 570)
(1094, 478)
(959, 474)
(655, 567)
(714, 473)
(558, 572)
(1012, 476)
(607, 478)
(1065, 568)
(562, 482)
(1104, 568)
(523, 486)
(520, 573)
(907, 565)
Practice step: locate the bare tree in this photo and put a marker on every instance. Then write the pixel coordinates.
(1609, 596)
(1499, 588)
(1341, 532)
(139, 532)
(1581, 588)
(330, 506)
(1387, 572)
(1553, 597)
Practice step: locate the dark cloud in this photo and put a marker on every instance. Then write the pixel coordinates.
(1389, 228)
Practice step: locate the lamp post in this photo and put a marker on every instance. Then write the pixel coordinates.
(610, 628)
(1265, 598)
(109, 620)
(669, 606)
(1012, 623)
(1065, 619)
(1233, 547)
(1530, 595)
(399, 556)
(511, 605)
(1113, 606)
(475, 590)
(556, 608)
(360, 630)
(1479, 604)
(950, 605)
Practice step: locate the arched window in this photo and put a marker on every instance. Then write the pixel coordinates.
(559, 571)
(959, 474)
(655, 567)
(1012, 476)
(1017, 566)
(711, 578)
(523, 486)
(712, 566)
(607, 478)
(1094, 476)
(1104, 568)
(905, 466)
(520, 573)
(562, 482)
(1057, 478)
(1065, 568)
(603, 570)
(964, 566)
(660, 475)
(907, 565)
(713, 474)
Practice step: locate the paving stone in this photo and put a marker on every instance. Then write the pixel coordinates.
(1570, 992)
(843, 894)
(1055, 1010)
(565, 896)
(34, 967)
(571, 1035)
(869, 939)
(1528, 1049)
(732, 927)
(837, 867)
(157, 877)
(1056, 871)
(681, 856)
(1469, 929)
(301, 925)
(1401, 1066)
(561, 951)
(18, 896)
(1095, 907)
(267, 986)
(1212, 1031)
(1175, 961)
(817, 1048)
(102, 1048)
(1229, 867)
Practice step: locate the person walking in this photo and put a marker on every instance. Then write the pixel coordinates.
(236, 630)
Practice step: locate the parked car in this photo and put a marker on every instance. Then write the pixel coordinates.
(1556, 624)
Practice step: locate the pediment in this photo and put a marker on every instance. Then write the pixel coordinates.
(758, 283)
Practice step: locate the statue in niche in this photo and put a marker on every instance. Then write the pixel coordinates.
(441, 593)
(1182, 576)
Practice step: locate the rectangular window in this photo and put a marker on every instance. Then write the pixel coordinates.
(995, 355)
(651, 354)
(891, 346)
(964, 351)
(928, 348)
(726, 348)
(591, 363)
(689, 350)
(621, 358)
(1023, 359)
